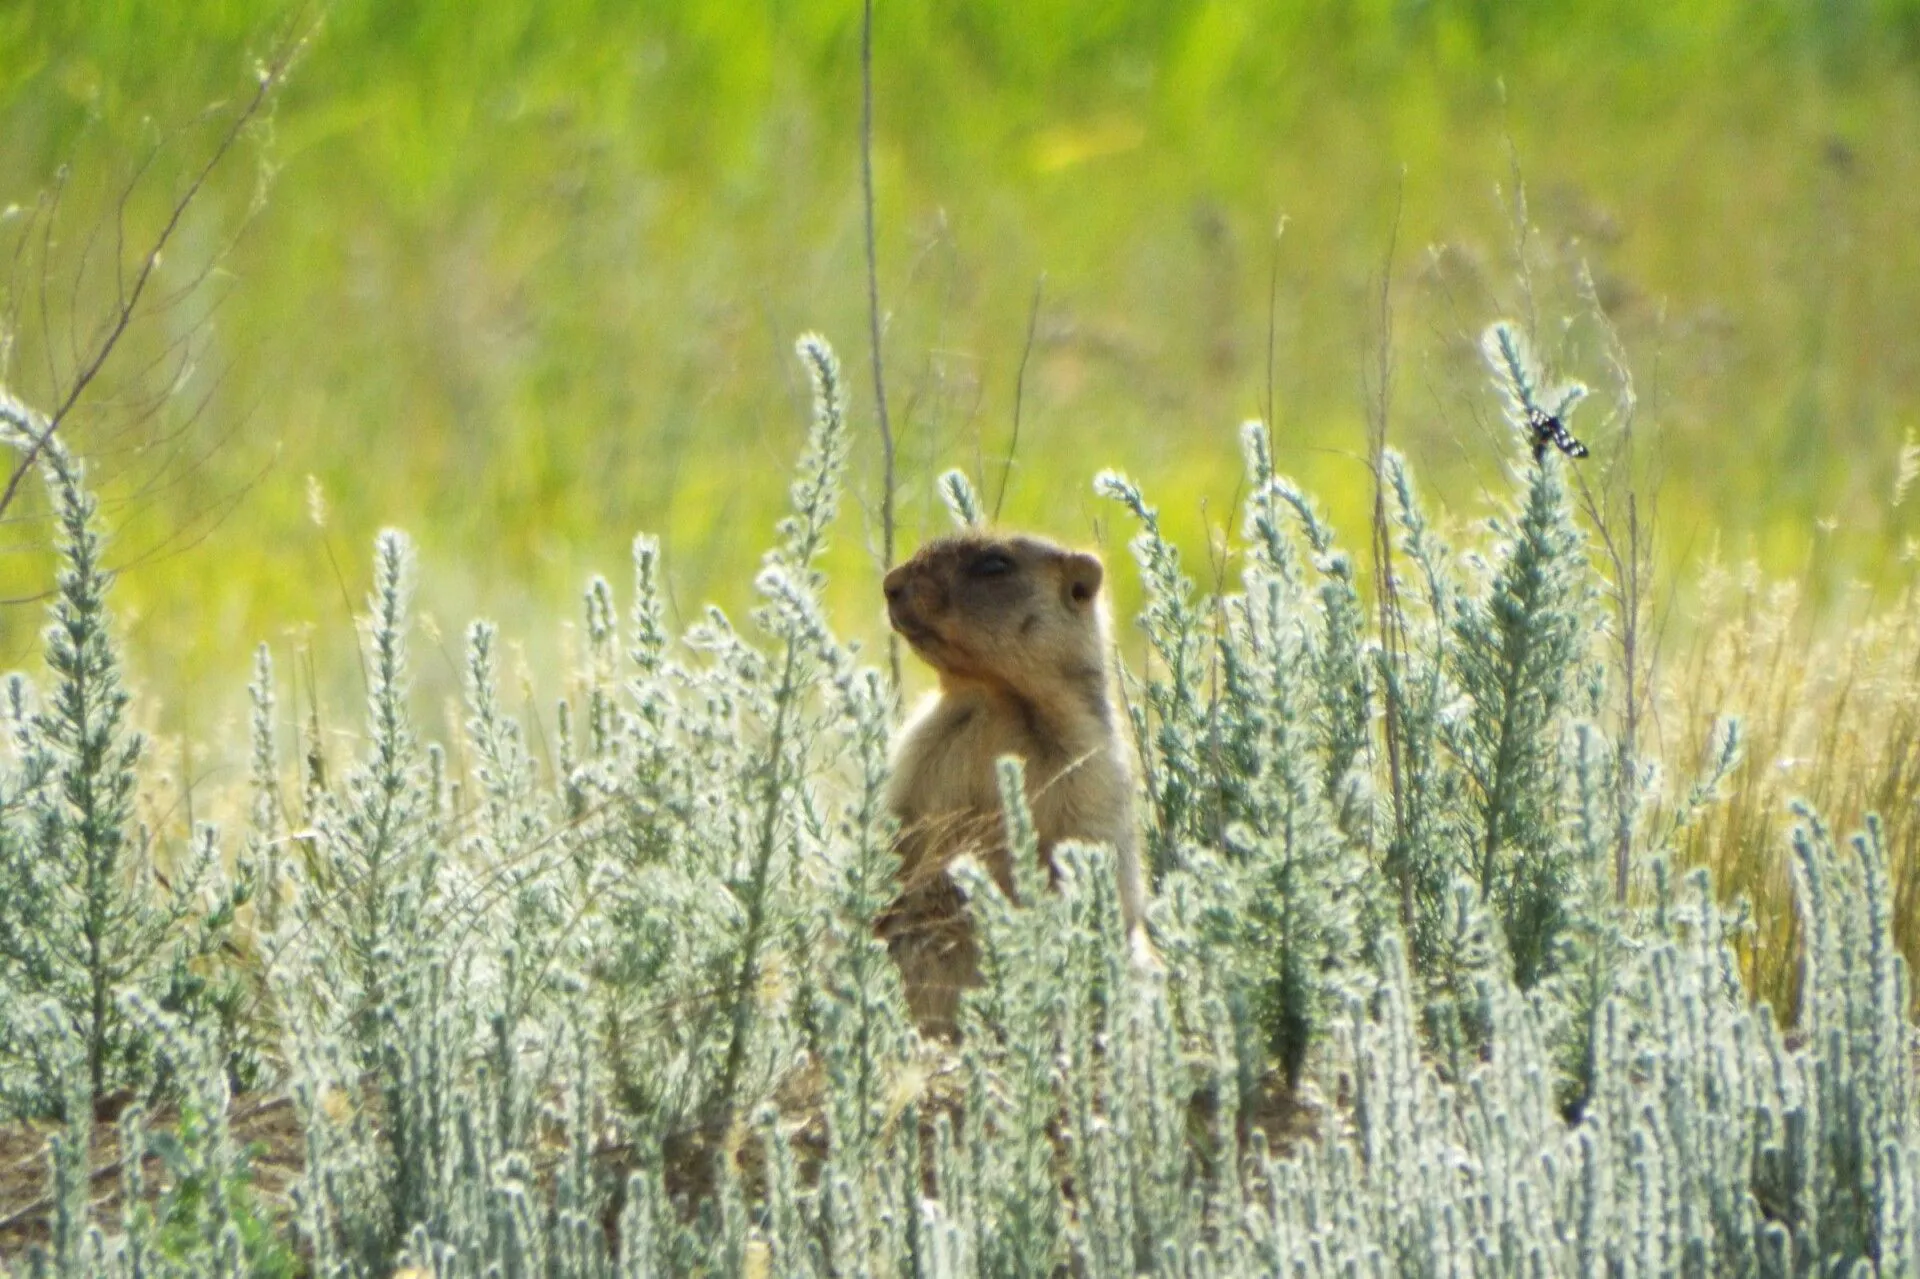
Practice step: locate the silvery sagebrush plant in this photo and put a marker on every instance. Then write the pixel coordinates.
(691, 1000)
(1252, 731)
(186, 1206)
(1420, 857)
(86, 917)
(627, 1016)
(1336, 647)
(1169, 709)
(1519, 653)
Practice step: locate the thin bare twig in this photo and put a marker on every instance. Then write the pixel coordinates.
(1393, 640)
(873, 318)
(1273, 304)
(1019, 393)
(1632, 568)
(127, 304)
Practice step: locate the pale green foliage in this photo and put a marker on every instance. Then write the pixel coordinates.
(962, 503)
(1517, 653)
(202, 1217)
(1520, 382)
(1421, 858)
(266, 826)
(84, 924)
(1342, 704)
(1170, 716)
(629, 1017)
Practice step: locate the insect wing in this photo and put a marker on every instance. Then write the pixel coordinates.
(1547, 429)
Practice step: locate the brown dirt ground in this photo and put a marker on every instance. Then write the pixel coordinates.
(266, 1124)
(260, 1121)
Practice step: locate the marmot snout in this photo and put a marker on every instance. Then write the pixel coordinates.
(1016, 628)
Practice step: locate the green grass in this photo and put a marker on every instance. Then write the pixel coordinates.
(526, 278)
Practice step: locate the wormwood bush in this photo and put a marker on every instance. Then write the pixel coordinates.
(629, 1017)
(85, 923)
(1258, 741)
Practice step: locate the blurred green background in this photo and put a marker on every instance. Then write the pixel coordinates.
(526, 278)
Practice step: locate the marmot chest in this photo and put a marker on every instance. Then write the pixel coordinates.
(947, 759)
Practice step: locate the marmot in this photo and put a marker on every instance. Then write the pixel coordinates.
(1016, 628)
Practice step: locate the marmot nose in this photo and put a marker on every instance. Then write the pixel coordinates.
(895, 585)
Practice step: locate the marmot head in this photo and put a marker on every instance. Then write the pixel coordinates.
(1010, 610)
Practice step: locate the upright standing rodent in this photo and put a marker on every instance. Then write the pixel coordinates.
(1017, 630)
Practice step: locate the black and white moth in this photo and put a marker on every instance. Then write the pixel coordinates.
(1548, 429)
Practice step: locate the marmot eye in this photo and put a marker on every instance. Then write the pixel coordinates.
(992, 564)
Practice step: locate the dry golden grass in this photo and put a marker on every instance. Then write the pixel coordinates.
(1830, 708)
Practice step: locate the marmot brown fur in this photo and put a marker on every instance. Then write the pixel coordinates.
(1016, 628)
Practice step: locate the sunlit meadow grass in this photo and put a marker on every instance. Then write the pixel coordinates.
(524, 276)
(1833, 718)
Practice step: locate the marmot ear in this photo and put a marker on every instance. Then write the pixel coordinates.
(1080, 577)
